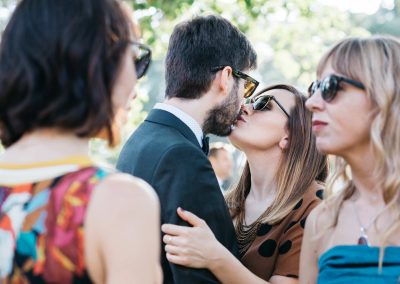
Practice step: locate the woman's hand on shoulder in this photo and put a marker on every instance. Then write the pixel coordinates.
(122, 230)
(195, 246)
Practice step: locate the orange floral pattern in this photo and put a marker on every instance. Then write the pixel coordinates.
(41, 228)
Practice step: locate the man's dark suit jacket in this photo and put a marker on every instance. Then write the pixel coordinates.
(165, 152)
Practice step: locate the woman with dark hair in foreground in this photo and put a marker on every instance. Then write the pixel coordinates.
(277, 190)
(67, 73)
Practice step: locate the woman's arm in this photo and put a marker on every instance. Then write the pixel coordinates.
(309, 249)
(198, 248)
(122, 232)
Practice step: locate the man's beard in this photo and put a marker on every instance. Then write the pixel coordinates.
(220, 119)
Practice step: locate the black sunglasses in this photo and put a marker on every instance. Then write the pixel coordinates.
(330, 85)
(142, 58)
(263, 102)
(249, 86)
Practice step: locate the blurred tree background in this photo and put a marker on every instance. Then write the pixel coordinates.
(288, 35)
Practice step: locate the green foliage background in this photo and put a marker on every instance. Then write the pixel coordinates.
(288, 35)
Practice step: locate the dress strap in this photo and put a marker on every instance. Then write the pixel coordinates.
(15, 174)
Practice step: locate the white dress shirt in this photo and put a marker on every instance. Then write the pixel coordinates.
(185, 118)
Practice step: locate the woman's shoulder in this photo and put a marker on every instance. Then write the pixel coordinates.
(314, 193)
(311, 199)
(115, 185)
(319, 219)
(121, 199)
(123, 210)
(300, 213)
(120, 188)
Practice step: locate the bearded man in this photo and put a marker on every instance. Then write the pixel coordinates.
(205, 85)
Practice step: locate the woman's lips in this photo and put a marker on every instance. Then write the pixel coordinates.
(317, 125)
(239, 118)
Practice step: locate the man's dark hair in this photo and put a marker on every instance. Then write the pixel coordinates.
(58, 64)
(198, 45)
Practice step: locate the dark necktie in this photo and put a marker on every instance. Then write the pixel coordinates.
(206, 145)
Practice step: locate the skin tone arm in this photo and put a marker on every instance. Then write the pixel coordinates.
(198, 248)
(309, 250)
(121, 245)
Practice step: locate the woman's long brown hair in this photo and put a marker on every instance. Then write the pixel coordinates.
(300, 166)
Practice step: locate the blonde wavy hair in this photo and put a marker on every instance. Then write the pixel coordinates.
(374, 61)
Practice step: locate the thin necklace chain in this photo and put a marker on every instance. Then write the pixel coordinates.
(363, 239)
(365, 228)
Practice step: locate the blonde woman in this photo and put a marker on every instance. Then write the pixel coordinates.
(354, 235)
(269, 206)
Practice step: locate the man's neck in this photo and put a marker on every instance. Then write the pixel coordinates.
(196, 108)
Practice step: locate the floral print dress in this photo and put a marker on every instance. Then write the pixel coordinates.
(42, 211)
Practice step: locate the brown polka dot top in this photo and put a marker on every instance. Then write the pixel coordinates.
(276, 248)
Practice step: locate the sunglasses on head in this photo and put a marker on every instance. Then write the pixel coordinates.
(250, 84)
(141, 57)
(263, 102)
(330, 85)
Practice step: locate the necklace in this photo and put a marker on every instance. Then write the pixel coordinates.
(246, 234)
(363, 239)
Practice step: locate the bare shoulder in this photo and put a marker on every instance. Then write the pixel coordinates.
(129, 206)
(313, 240)
(319, 217)
(121, 198)
(123, 188)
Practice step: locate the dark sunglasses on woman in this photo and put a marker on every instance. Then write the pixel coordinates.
(330, 85)
(250, 84)
(263, 102)
(141, 57)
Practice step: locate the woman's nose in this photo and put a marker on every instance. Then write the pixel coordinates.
(315, 102)
(247, 108)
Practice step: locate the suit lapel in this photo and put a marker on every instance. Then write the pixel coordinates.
(168, 119)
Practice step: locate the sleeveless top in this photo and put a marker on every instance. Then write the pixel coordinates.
(42, 211)
(276, 248)
(359, 264)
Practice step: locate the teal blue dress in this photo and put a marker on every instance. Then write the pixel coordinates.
(359, 264)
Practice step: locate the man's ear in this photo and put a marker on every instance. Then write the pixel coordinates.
(284, 142)
(225, 80)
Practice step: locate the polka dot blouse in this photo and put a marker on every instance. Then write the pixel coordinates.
(276, 248)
